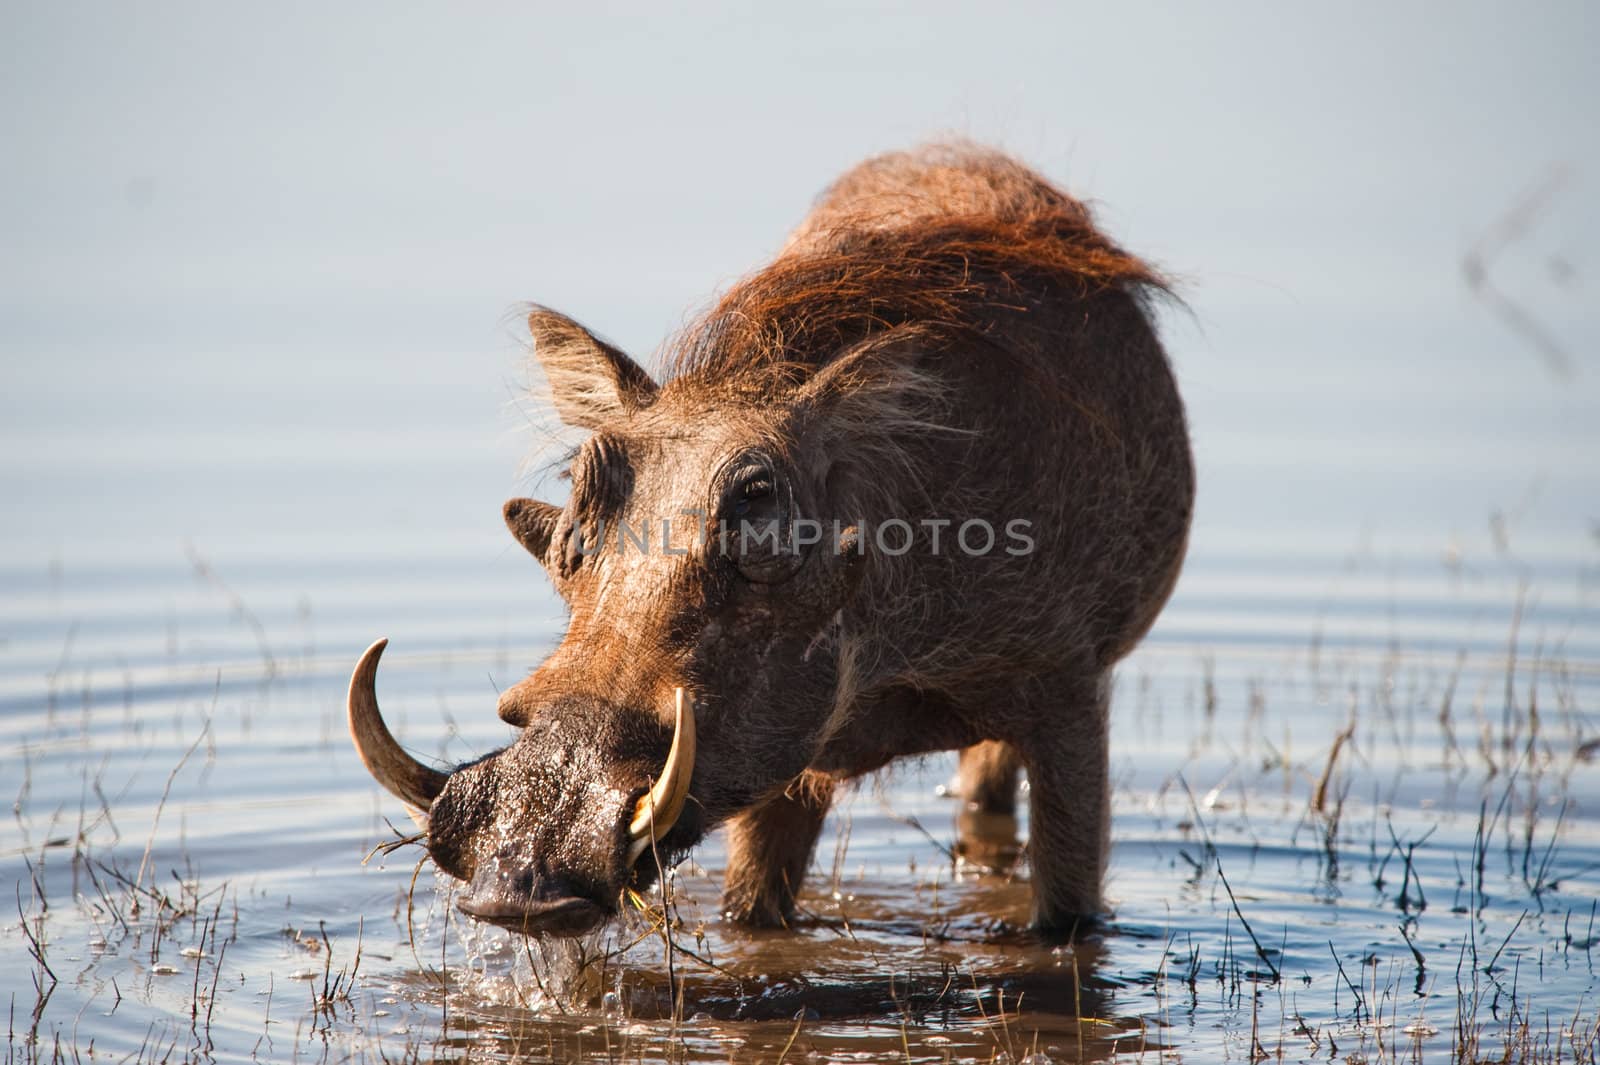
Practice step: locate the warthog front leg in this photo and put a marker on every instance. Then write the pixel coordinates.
(769, 848)
(1069, 806)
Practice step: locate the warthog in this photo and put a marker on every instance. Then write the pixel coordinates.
(947, 345)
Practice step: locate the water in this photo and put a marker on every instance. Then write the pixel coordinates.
(187, 720)
(263, 401)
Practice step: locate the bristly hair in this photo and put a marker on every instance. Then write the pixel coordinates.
(880, 267)
(935, 248)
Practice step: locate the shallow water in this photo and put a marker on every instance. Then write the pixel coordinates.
(262, 405)
(180, 729)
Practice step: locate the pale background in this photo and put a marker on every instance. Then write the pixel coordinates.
(260, 264)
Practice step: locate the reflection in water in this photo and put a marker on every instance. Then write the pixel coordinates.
(987, 842)
(858, 972)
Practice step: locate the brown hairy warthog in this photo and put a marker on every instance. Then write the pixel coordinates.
(952, 374)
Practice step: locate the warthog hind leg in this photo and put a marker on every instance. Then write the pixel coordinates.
(986, 827)
(769, 848)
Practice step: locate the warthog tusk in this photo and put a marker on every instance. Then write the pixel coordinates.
(658, 811)
(407, 779)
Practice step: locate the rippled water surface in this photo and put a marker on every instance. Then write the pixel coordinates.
(191, 823)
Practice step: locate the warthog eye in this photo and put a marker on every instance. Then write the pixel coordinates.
(750, 492)
(756, 488)
(753, 513)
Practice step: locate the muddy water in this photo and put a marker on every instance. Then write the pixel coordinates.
(191, 824)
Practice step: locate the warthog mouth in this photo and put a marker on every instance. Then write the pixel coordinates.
(508, 897)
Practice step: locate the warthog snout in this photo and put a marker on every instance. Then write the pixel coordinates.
(560, 866)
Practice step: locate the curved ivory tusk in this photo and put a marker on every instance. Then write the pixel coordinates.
(406, 778)
(658, 811)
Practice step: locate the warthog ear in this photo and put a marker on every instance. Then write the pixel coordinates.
(532, 523)
(858, 410)
(591, 382)
(880, 384)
